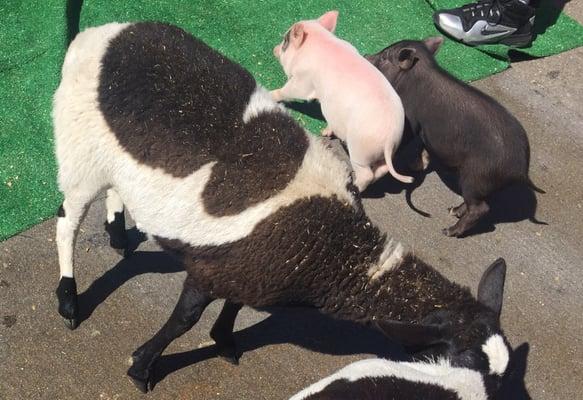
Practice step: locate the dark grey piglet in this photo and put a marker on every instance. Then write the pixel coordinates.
(462, 127)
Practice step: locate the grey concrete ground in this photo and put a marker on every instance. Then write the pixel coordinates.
(125, 302)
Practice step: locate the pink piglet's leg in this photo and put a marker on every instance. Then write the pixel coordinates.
(294, 89)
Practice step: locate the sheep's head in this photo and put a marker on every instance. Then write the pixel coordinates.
(469, 337)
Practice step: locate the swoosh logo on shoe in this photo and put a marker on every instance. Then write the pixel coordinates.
(488, 31)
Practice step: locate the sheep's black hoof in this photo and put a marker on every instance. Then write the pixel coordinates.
(71, 323)
(141, 371)
(141, 381)
(230, 359)
(229, 354)
(68, 307)
(118, 237)
(125, 252)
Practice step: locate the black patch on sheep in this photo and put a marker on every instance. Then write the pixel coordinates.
(176, 104)
(270, 150)
(317, 252)
(386, 388)
(291, 257)
(61, 211)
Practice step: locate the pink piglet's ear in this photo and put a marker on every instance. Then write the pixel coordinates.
(329, 20)
(298, 35)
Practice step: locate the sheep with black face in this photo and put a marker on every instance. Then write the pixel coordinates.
(385, 379)
(260, 212)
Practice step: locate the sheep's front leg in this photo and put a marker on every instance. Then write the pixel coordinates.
(187, 312)
(222, 332)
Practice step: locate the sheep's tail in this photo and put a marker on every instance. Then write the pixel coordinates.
(533, 186)
(389, 150)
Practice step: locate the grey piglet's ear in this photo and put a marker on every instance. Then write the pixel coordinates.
(491, 287)
(407, 58)
(371, 58)
(413, 334)
(433, 43)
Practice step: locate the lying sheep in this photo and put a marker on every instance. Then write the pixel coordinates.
(259, 212)
(384, 379)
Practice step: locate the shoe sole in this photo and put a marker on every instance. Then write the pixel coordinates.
(520, 40)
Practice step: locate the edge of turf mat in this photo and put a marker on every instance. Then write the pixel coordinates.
(33, 42)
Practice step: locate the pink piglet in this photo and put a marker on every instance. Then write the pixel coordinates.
(359, 104)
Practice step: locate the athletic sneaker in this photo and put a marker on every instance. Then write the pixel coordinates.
(489, 21)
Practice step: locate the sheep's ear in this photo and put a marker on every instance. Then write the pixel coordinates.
(413, 334)
(407, 58)
(298, 34)
(433, 43)
(329, 20)
(491, 287)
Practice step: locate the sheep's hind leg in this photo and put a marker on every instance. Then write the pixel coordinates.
(186, 314)
(115, 224)
(222, 332)
(70, 215)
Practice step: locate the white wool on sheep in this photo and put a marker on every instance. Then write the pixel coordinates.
(466, 383)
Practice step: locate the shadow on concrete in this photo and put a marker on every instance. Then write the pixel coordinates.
(303, 327)
(135, 264)
(512, 204)
(513, 386)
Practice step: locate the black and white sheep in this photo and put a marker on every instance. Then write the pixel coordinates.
(260, 212)
(384, 379)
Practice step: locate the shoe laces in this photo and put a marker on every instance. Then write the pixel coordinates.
(490, 11)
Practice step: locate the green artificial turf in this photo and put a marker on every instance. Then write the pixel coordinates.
(32, 46)
(33, 39)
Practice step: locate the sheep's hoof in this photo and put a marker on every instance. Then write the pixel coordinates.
(71, 323)
(230, 359)
(141, 379)
(228, 353)
(68, 307)
(125, 253)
